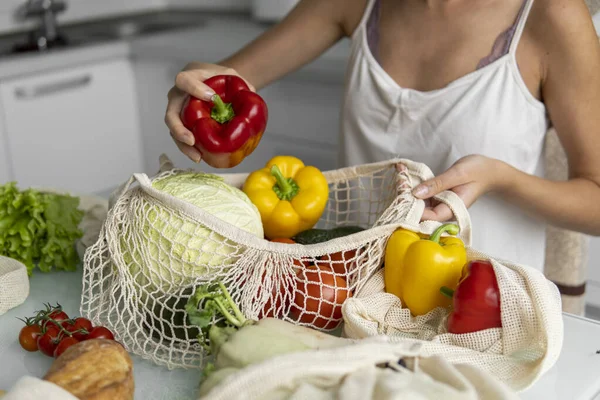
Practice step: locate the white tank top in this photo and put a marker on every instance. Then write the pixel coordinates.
(489, 111)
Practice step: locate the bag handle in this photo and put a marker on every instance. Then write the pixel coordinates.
(418, 173)
(165, 164)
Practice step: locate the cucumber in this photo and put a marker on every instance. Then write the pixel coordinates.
(313, 236)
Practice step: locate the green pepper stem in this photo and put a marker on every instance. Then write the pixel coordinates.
(221, 112)
(284, 188)
(446, 291)
(437, 234)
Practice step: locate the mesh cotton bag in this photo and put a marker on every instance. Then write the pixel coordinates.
(526, 346)
(362, 371)
(14, 284)
(137, 278)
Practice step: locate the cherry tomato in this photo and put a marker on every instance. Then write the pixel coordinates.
(64, 344)
(78, 324)
(57, 315)
(28, 337)
(100, 332)
(49, 340)
(319, 296)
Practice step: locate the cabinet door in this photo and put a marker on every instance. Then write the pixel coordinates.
(304, 110)
(154, 80)
(75, 129)
(5, 167)
(593, 271)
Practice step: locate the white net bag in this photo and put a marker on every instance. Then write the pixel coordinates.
(524, 348)
(154, 250)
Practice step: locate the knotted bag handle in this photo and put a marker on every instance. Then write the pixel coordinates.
(418, 173)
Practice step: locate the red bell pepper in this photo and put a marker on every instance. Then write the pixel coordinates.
(228, 128)
(476, 300)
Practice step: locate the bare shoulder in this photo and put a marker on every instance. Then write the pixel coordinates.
(562, 27)
(352, 13)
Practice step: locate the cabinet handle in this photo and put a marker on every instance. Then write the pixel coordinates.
(51, 88)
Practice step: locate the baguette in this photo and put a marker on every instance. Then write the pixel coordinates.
(95, 369)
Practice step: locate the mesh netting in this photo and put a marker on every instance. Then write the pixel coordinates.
(14, 284)
(527, 345)
(519, 353)
(154, 250)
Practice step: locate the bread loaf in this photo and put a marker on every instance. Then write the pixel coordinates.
(96, 369)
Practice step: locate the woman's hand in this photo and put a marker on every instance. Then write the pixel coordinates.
(318, 24)
(190, 82)
(470, 177)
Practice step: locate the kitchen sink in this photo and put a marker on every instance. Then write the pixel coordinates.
(136, 25)
(109, 29)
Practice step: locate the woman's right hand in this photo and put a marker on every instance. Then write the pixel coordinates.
(190, 82)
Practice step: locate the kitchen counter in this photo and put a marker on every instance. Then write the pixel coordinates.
(223, 35)
(576, 375)
(216, 36)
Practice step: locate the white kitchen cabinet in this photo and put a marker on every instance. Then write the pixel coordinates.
(75, 129)
(5, 167)
(153, 81)
(593, 273)
(304, 110)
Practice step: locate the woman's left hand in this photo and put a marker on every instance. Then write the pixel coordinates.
(470, 177)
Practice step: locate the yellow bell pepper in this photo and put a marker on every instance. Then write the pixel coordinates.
(416, 267)
(290, 196)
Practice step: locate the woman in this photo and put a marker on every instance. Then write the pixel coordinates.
(468, 87)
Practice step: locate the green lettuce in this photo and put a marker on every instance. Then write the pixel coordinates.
(39, 229)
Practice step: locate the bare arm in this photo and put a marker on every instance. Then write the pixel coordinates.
(312, 27)
(566, 43)
(571, 92)
(308, 31)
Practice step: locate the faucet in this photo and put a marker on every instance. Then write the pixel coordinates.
(47, 10)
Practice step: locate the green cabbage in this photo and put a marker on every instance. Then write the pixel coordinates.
(167, 251)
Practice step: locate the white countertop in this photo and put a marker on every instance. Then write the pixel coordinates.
(576, 376)
(217, 36)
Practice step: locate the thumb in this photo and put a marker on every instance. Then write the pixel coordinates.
(431, 187)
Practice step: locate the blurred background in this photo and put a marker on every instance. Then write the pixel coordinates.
(83, 87)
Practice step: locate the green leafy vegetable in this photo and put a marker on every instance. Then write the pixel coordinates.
(167, 250)
(236, 342)
(39, 229)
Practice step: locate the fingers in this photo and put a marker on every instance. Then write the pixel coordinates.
(173, 121)
(189, 151)
(440, 213)
(191, 82)
(451, 178)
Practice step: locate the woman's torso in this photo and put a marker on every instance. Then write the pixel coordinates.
(489, 110)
